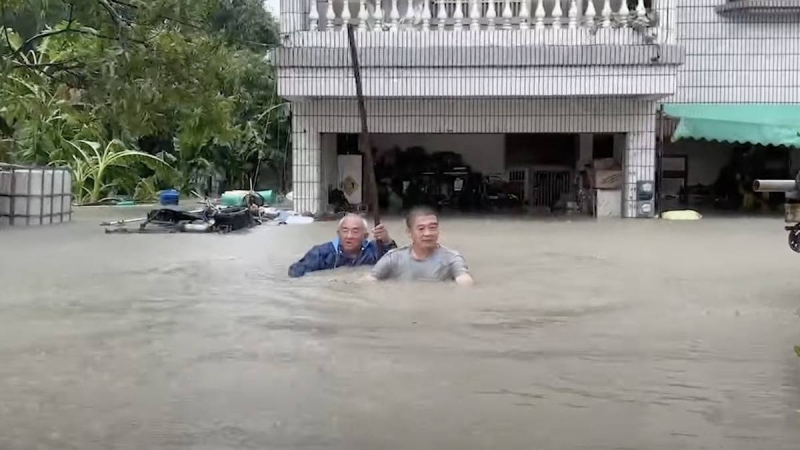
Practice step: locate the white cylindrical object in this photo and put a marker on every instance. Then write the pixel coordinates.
(426, 15)
(491, 14)
(573, 14)
(394, 16)
(775, 185)
(458, 16)
(507, 14)
(378, 16)
(624, 13)
(589, 14)
(641, 11)
(539, 14)
(606, 14)
(557, 14)
(363, 15)
(330, 16)
(441, 14)
(346, 16)
(409, 17)
(313, 16)
(524, 15)
(475, 15)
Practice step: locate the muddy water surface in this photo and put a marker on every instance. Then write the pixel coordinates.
(583, 335)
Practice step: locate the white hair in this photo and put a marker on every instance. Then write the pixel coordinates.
(363, 220)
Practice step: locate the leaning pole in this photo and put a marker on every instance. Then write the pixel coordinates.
(363, 138)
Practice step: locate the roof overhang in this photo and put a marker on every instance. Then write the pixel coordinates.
(760, 7)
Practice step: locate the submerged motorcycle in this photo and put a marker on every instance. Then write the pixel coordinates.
(791, 213)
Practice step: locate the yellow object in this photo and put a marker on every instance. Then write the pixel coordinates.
(686, 214)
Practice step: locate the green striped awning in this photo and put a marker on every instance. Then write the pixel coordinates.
(764, 124)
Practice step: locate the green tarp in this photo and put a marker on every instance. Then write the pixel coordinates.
(764, 124)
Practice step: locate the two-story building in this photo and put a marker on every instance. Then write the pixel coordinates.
(539, 87)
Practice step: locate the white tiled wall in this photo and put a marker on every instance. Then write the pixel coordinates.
(736, 60)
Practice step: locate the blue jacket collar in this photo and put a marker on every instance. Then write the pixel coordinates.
(338, 247)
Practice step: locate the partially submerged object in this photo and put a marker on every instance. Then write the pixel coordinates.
(246, 198)
(685, 214)
(34, 195)
(169, 197)
(791, 213)
(292, 218)
(209, 219)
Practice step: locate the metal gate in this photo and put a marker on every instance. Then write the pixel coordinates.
(550, 187)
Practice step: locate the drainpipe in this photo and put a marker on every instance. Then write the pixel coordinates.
(659, 158)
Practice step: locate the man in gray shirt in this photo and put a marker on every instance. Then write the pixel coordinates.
(424, 259)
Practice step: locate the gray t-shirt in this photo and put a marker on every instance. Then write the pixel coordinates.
(398, 264)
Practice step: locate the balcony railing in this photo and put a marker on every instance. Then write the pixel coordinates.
(475, 15)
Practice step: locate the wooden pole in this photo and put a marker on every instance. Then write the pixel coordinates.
(363, 138)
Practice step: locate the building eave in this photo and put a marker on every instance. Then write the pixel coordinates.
(760, 8)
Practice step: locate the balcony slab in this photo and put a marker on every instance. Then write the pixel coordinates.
(654, 81)
(483, 56)
(760, 7)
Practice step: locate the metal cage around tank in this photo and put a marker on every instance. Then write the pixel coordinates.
(31, 195)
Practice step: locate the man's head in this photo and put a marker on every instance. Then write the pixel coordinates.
(423, 227)
(352, 232)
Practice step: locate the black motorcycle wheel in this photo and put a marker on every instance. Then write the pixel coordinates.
(794, 239)
(254, 199)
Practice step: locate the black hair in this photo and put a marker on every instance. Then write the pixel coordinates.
(419, 211)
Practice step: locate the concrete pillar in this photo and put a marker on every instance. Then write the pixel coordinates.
(620, 144)
(585, 149)
(307, 168)
(639, 165)
(294, 15)
(329, 162)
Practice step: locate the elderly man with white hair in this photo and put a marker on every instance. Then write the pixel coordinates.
(350, 248)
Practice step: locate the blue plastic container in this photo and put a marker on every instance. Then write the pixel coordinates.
(169, 197)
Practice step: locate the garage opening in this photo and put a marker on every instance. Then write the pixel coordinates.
(507, 173)
(717, 177)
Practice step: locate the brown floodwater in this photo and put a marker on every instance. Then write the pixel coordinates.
(578, 335)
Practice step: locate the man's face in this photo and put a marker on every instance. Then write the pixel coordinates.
(352, 234)
(424, 232)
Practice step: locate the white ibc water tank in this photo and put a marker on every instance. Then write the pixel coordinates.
(35, 195)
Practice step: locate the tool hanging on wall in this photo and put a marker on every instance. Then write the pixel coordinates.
(363, 137)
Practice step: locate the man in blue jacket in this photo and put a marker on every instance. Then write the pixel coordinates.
(351, 248)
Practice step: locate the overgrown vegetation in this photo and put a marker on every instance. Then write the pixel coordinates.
(140, 95)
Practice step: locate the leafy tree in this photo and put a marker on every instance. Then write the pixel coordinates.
(183, 80)
(91, 163)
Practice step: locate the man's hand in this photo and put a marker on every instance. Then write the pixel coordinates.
(465, 279)
(380, 234)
